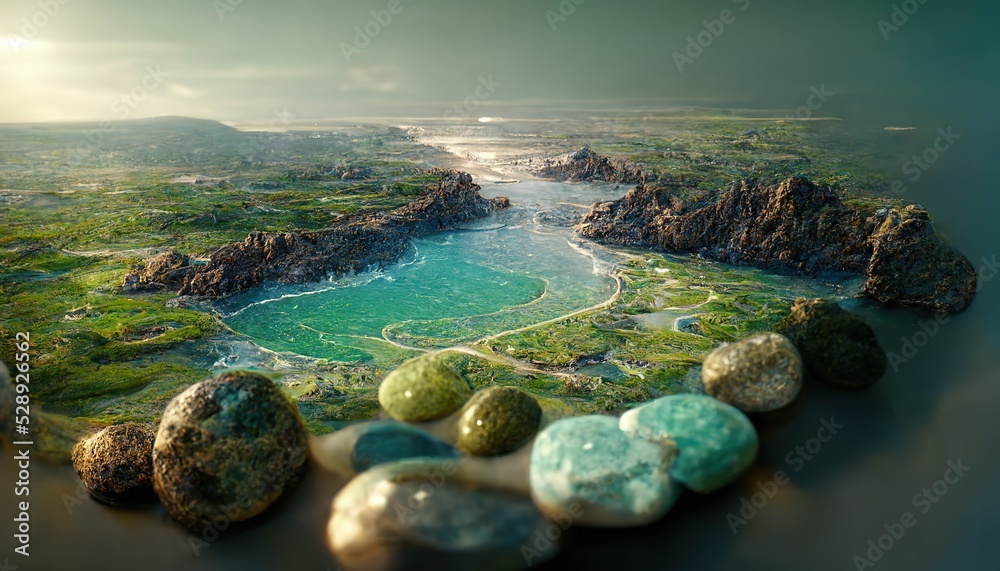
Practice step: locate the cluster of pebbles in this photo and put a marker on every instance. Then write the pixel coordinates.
(452, 478)
(226, 448)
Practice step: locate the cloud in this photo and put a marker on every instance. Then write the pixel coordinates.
(380, 78)
(184, 91)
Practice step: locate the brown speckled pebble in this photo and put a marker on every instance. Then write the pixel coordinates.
(116, 464)
(758, 374)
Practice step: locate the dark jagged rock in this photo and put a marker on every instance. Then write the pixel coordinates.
(794, 225)
(911, 266)
(837, 346)
(352, 245)
(116, 464)
(585, 164)
(629, 221)
(168, 269)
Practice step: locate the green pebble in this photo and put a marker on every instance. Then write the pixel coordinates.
(423, 389)
(498, 420)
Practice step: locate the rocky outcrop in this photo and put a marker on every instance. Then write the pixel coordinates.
(799, 226)
(585, 164)
(911, 266)
(352, 245)
(329, 172)
(165, 270)
(795, 225)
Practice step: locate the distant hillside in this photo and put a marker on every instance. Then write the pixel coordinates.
(169, 123)
(182, 143)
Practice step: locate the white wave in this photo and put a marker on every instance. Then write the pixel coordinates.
(351, 280)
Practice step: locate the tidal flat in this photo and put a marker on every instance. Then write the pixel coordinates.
(612, 328)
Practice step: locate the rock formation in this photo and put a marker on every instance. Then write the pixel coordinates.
(168, 269)
(352, 245)
(585, 164)
(795, 225)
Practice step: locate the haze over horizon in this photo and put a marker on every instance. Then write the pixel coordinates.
(245, 60)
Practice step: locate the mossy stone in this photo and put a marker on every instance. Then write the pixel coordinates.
(837, 346)
(497, 420)
(116, 464)
(227, 448)
(423, 389)
(761, 373)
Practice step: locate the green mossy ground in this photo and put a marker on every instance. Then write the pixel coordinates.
(71, 228)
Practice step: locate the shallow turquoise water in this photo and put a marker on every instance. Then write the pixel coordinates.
(509, 271)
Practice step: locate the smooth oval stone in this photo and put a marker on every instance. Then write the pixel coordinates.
(116, 464)
(497, 420)
(421, 514)
(758, 374)
(227, 448)
(716, 442)
(385, 442)
(837, 346)
(589, 471)
(423, 389)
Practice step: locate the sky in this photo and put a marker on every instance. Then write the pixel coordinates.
(243, 60)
